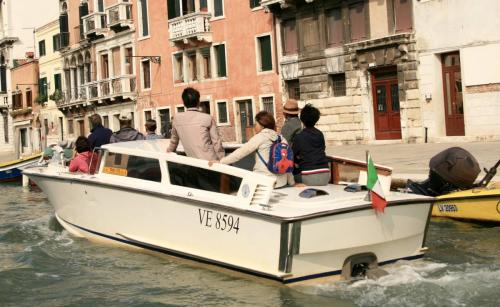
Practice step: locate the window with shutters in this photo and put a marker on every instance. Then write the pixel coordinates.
(335, 27)
(41, 48)
(178, 68)
(71, 127)
(180, 109)
(220, 58)
(147, 115)
(357, 21)
(29, 98)
(56, 42)
(289, 30)
(57, 82)
(192, 67)
(177, 8)
(143, 17)
(337, 84)
(222, 112)
(267, 104)
(42, 88)
(293, 89)
(207, 65)
(218, 8)
(265, 58)
(254, 3)
(5, 127)
(146, 74)
(165, 122)
(400, 16)
(309, 33)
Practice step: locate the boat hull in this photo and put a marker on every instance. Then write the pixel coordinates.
(479, 204)
(13, 170)
(285, 250)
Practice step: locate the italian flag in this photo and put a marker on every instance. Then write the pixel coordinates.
(375, 188)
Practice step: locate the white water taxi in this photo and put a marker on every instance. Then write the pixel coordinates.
(142, 196)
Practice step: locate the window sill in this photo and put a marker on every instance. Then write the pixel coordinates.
(266, 72)
(217, 18)
(257, 8)
(143, 38)
(223, 124)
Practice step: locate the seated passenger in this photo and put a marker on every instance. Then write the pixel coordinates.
(309, 150)
(81, 161)
(260, 143)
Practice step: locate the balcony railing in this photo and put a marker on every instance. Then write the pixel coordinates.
(120, 15)
(94, 24)
(112, 87)
(192, 26)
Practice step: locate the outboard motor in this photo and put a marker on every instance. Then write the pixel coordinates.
(452, 169)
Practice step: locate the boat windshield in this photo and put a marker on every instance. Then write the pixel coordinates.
(132, 166)
(203, 179)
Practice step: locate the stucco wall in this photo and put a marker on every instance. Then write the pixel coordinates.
(472, 30)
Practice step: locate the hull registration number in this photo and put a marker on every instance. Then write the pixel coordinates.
(220, 221)
(447, 208)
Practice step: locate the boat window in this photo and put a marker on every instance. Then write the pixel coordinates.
(203, 179)
(132, 166)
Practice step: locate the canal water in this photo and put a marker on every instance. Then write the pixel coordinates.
(42, 265)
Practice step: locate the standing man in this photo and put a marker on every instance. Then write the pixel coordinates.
(126, 132)
(151, 130)
(99, 135)
(292, 124)
(196, 130)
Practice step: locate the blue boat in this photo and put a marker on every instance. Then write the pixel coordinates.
(12, 170)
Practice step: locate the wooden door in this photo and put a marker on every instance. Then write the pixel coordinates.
(246, 119)
(453, 101)
(386, 107)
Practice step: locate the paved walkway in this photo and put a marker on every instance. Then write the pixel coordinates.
(411, 161)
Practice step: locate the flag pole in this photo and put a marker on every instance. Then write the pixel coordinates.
(368, 195)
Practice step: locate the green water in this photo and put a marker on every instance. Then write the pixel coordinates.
(43, 265)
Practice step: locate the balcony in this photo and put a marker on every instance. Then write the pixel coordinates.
(111, 88)
(270, 5)
(94, 24)
(120, 16)
(190, 28)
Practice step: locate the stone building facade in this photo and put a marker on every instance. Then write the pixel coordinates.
(357, 62)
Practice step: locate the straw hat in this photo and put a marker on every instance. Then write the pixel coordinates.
(291, 107)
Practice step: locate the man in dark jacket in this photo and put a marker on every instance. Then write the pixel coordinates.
(126, 132)
(99, 135)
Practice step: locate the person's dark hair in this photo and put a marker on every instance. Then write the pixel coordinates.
(82, 144)
(266, 120)
(95, 120)
(191, 97)
(309, 115)
(151, 125)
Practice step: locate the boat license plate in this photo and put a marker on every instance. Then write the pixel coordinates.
(447, 208)
(218, 220)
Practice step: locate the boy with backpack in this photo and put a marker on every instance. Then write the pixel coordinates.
(309, 150)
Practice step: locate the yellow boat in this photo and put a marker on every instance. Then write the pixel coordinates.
(479, 204)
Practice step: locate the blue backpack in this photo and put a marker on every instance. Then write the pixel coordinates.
(280, 158)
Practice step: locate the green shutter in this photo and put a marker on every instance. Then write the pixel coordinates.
(218, 8)
(221, 60)
(265, 53)
(57, 81)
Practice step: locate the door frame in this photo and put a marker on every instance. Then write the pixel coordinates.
(378, 134)
(236, 113)
(450, 128)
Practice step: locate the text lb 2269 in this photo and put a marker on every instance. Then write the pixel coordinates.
(218, 220)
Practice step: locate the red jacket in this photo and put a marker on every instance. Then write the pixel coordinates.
(81, 162)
